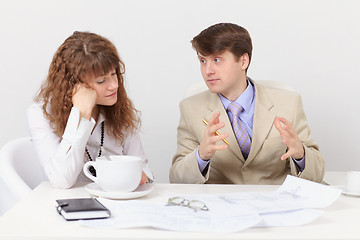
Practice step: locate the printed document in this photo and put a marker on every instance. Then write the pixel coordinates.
(296, 202)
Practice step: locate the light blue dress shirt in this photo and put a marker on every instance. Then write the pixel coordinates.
(247, 102)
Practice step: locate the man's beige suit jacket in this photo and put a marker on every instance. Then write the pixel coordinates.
(263, 165)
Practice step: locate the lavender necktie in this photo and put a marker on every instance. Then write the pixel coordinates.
(241, 134)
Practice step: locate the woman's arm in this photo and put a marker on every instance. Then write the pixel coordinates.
(61, 158)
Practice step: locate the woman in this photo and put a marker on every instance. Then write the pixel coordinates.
(82, 108)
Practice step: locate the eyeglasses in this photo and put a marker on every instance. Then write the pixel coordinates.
(193, 204)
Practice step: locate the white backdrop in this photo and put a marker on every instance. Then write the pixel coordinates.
(312, 45)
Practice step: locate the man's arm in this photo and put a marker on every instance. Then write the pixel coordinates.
(314, 162)
(184, 168)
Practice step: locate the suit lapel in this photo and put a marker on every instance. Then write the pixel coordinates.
(263, 121)
(214, 105)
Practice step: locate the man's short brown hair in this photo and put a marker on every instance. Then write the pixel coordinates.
(221, 37)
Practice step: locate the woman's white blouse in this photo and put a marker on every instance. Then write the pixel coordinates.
(63, 159)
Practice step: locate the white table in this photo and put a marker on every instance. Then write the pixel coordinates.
(35, 217)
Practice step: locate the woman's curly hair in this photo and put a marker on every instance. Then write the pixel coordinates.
(81, 54)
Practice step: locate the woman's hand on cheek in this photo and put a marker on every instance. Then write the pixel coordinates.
(84, 98)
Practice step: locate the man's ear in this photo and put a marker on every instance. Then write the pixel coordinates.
(244, 59)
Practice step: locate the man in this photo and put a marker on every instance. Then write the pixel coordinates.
(252, 134)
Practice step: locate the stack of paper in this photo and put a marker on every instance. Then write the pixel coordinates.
(295, 203)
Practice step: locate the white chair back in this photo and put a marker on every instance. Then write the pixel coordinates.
(20, 168)
(276, 84)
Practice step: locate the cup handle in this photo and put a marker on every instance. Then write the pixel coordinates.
(86, 170)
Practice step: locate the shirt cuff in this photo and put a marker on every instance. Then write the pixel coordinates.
(201, 163)
(300, 163)
(76, 133)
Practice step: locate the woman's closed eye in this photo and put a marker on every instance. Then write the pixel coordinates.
(100, 81)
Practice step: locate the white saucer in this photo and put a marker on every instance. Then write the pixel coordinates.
(141, 191)
(345, 192)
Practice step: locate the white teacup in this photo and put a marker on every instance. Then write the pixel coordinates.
(353, 182)
(121, 174)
